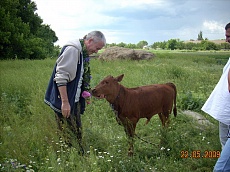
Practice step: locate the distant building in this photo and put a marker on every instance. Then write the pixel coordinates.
(146, 47)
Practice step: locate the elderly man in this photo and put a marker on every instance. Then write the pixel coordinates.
(70, 81)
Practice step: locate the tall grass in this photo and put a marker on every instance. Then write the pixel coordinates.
(29, 139)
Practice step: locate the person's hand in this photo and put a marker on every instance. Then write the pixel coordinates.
(65, 109)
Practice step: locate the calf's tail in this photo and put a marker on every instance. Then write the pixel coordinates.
(175, 94)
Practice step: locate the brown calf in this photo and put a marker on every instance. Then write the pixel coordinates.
(131, 104)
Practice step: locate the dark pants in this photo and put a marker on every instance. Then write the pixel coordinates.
(71, 128)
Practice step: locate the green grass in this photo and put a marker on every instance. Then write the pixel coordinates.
(28, 130)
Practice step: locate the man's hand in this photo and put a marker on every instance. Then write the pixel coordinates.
(65, 109)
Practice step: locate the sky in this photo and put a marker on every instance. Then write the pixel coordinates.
(131, 21)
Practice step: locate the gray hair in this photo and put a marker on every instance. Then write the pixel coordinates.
(97, 36)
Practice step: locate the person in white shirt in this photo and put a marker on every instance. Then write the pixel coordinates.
(218, 106)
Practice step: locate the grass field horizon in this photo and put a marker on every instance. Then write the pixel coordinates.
(29, 139)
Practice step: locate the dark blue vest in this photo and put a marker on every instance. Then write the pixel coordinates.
(52, 96)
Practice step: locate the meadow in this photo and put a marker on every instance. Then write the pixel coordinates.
(29, 140)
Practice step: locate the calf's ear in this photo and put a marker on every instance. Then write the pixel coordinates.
(119, 78)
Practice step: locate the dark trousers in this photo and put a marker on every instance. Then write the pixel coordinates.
(71, 128)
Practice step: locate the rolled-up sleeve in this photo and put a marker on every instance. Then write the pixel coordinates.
(67, 66)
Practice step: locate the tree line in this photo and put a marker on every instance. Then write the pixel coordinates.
(22, 32)
(176, 44)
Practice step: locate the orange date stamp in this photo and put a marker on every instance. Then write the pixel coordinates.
(200, 154)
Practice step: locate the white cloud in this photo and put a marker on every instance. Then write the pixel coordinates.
(139, 3)
(213, 26)
(131, 21)
(213, 29)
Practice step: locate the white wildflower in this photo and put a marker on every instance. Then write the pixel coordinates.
(162, 148)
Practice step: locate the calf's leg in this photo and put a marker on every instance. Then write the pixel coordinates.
(166, 113)
(162, 118)
(129, 127)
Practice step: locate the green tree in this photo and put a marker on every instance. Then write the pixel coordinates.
(110, 45)
(133, 46)
(14, 29)
(163, 45)
(49, 37)
(180, 45)
(141, 44)
(172, 44)
(207, 45)
(26, 11)
(200, 36)
(121, 44)
(225, 46)
(189, 45)
(20, 31)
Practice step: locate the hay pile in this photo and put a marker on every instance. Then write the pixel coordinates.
(113, 53)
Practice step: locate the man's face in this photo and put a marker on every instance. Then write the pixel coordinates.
(93, 47)
(227, 34)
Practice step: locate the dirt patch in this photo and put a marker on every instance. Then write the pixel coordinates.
(198, 118)
(113, 53)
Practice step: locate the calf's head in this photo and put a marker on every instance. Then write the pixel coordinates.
(108, 88)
